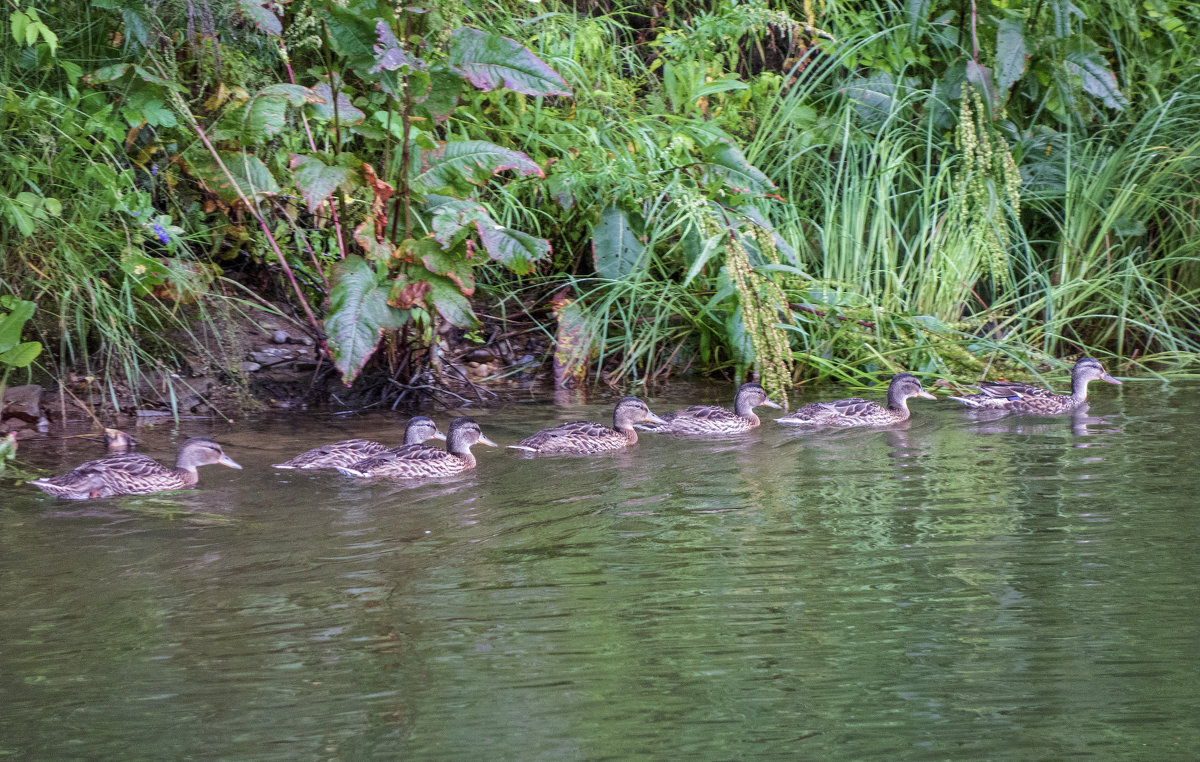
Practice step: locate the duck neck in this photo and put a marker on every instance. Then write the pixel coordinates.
(186, 472)
(898, 405)
(742, 406)
(630, 434)
(1079, 387)
(461, 450)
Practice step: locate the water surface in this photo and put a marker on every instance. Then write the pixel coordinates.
(958, 588)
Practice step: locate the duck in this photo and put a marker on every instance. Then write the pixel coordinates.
(855, 411)
(1024, 398)
(712, 419)
(585, 437)
(350, 451)
(421, 461)
(118, 441)
(135, 474)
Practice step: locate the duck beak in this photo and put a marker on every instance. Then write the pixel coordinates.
(926, 395)
(228, 461)
(439, 436)
(770, 403)
(653, 418)
(1110, 380)
(485, 441)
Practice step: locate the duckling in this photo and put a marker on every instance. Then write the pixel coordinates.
(1023, 398)
(118, 441)
(350, 451)
(134, 474)
(711, 419)
(418, 460)
(586, 437)
(856, 411)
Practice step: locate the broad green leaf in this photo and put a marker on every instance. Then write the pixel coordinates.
(317, 180)
(1096, 76)
(448, 300)
(444, 89)
(13, 323)
(515, 250)
(725, 161)
(452, 215)
(980, 78)
(873, 96)
(156, 113)
(21, 355)
(106, 74)
(1010, 54)
(1063, 10)
(450, 264)
(297, 95)
(917, 10)
(390, 55)
(616, 251)
(351, 34)
(489, 61)
(358, 315)
(324, 108)
(266, 21)
(472, 160)
(251, 176)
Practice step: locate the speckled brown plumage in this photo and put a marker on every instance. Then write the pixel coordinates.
(856, 411)
(134, 474)
(418, 461)
(350, 451)
(585, 437)
(1034, 400)
(712, 419)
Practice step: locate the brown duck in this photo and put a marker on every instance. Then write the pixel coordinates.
(585, 437)
(855, 411)
(350, 451)
(417, 461)
(134, 474)
(1023, 398)
(712, 419)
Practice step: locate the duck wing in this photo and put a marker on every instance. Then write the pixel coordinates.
(336, 454)
(577, 436)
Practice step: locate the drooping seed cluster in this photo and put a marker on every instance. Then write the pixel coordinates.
(989, 187)
(763, 306)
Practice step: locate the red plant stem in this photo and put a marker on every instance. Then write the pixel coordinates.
(262, 222)
(312, 144)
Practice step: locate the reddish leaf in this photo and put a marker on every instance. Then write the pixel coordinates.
(406, 295)
(383, 191)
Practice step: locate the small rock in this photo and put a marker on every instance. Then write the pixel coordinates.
(525, 359)
(306, 341)
(248, 367)
(22, 400)
(270, 356)
(280, 337)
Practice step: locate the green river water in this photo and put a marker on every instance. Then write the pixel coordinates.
(959, 589)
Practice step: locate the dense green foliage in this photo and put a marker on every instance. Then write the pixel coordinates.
(802, 190)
